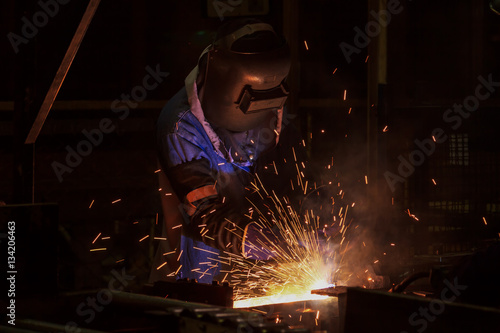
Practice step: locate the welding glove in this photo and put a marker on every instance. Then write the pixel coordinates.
(261, 243)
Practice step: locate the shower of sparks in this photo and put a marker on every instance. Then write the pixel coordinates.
(304, 260)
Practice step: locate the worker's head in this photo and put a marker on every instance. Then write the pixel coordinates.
(242, 77)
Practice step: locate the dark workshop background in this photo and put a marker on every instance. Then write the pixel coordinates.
(429, 57)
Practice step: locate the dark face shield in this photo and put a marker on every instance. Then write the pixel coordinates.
(252, 101)
(242, 88)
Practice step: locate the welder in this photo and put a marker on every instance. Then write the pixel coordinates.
(224, 127)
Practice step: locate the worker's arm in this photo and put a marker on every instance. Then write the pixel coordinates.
(211, 217)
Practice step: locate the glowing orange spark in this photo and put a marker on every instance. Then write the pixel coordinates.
(96, 238)
(198, 248)
(366, 60)
(334, 71)
(307, 47)
(434, 182)
(143, 238)
(105, 238)
(156, 171)
(158, 268)
(345, 95)
(91, 204)
(386, 128)
(119, 261)
(179, 257)
(99, 249)
(117, 200)
(484, 220)
(160, 238)
(177, 226)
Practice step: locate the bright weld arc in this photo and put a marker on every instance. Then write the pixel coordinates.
(250, 277)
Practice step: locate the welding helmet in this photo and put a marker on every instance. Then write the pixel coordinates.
(244, 74)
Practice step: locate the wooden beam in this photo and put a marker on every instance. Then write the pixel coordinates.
(62, 71)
